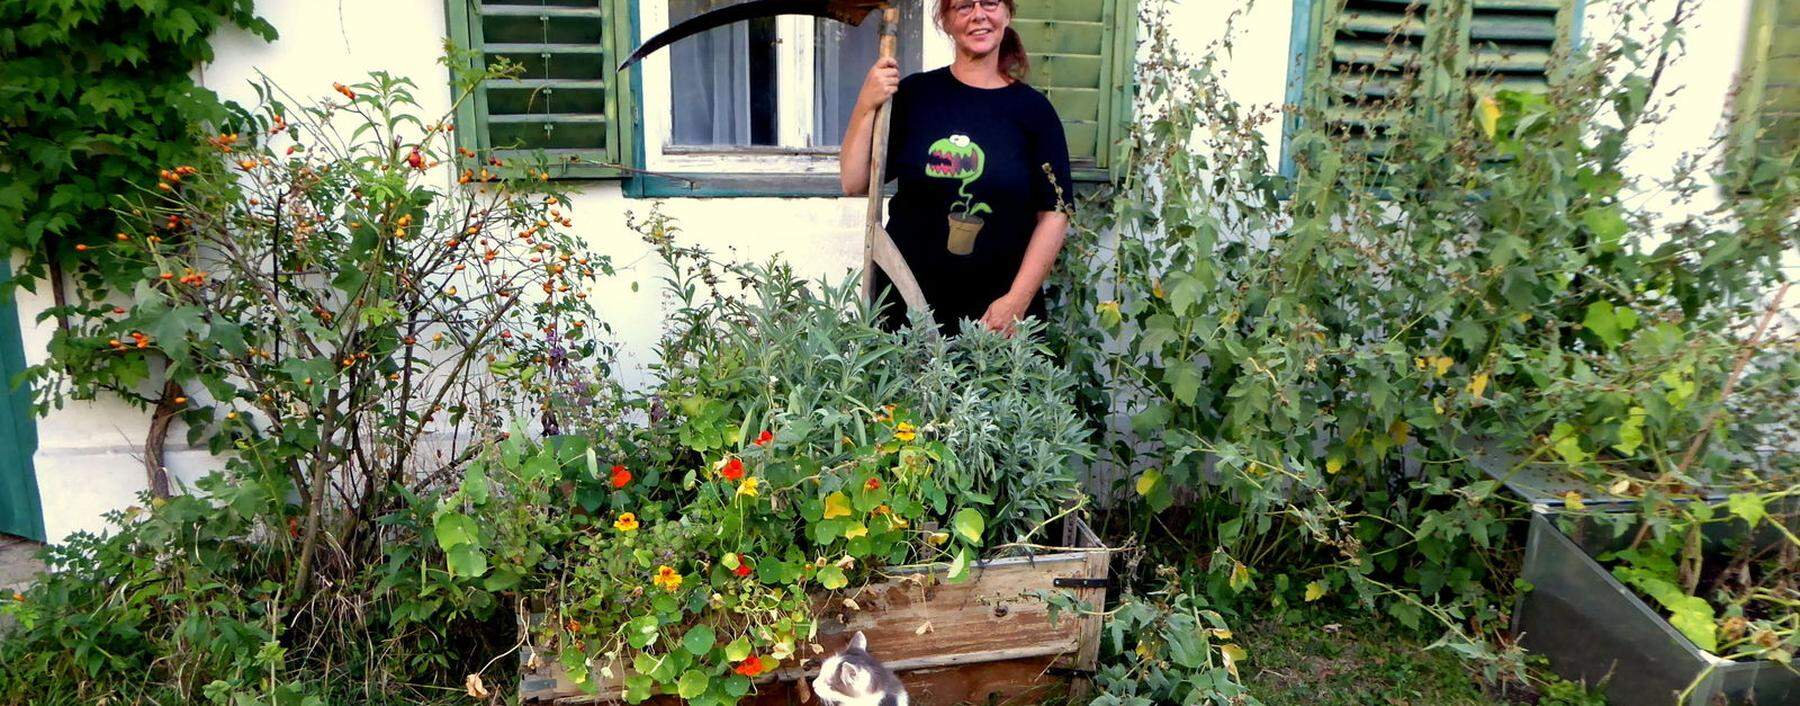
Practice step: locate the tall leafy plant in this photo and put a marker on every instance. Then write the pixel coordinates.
(1305, 360)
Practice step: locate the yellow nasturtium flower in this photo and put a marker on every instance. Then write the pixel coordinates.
(627, 522)
(667, 578)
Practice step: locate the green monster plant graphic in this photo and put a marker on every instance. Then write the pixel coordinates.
(958, 157)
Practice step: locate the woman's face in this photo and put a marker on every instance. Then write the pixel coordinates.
(976, 25)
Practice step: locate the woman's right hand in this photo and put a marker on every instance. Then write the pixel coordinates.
(879, 86)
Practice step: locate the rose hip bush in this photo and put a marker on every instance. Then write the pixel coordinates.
(344, 307)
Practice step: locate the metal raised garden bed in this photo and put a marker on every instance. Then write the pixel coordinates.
(1591, 627)
(985, 640)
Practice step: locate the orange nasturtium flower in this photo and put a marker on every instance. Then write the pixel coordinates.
(667, 579)
(627, 522)
(620, 476)
(750, 667)
(872, 485)
(905, 431)
(732, 469)
(764, 438)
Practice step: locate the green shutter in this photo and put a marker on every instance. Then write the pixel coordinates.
(1371, 50)
(567, 101)
(1768, 109)
(20, 512)
(1081, 59)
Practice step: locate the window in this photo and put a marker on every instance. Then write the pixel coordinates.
(566, 102)
(765, 97)
(1768, 92)
(753, 108)
(1369, 52)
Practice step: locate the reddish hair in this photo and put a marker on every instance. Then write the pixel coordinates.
(1013, 61)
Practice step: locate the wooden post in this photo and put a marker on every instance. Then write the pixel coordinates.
(878, 248)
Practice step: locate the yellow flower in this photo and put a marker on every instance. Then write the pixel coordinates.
(748, 487)
(667, 579)
(905, 431)
(627, 522)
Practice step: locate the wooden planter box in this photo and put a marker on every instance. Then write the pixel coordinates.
(985, 640)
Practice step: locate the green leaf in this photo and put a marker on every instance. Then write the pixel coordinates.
(467, 560)
(738, 649)
(454, 529)
(1607, 225)
(1148, 481)
(832, 578)
(959, 566)
(641, 631)
(1750, 507)
(638, 688)
(693, 683)
(1184, 381)
(698, 641)
(969, 524)
(1631, 431)
(1602, 322)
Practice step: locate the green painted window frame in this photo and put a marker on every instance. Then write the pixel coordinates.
(1750, 143)
(1312, 34)
(618, 35)
(21, 512)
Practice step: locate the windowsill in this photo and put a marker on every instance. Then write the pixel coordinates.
(736, 185)
(684, 184)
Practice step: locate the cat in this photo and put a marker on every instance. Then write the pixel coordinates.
(854, 678)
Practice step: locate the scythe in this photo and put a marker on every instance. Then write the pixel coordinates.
(878, 247)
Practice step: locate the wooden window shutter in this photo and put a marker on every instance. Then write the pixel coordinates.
(1081, 52)
(1768, 92)
(1373, 49)
(567, 101)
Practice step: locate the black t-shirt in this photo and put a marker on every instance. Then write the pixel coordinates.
(958, 149)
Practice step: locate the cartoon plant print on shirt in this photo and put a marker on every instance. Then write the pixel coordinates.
(958, 157)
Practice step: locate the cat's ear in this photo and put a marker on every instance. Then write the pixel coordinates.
(858, 642)
(856, 678)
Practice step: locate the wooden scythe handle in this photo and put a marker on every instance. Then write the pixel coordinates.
(878, 248)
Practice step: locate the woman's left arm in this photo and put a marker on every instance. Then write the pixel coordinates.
(1040, 256)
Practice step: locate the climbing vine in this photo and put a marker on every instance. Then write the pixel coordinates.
(95, 95)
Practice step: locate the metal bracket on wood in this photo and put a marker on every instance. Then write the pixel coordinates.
(1081, 582)
(1069, 672)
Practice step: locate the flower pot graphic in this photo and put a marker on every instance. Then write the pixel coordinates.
(957, 157)
(963, 230)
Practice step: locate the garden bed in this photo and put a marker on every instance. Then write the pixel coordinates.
(1593, 627)
(989, 639)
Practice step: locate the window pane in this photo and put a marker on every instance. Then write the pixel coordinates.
(842, 59)
(722, 81)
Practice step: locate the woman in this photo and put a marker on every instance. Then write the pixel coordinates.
(976, 213)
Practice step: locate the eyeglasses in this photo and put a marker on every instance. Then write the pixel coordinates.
(967, 7)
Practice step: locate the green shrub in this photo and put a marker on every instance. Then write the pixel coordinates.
(1306, 360)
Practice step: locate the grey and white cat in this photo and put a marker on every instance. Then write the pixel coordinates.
(853, 678)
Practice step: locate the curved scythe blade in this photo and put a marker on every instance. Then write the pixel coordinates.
(851, 12)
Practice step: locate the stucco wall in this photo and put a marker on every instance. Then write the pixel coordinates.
(88, 458)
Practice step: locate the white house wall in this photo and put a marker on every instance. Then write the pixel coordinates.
(88, 458)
